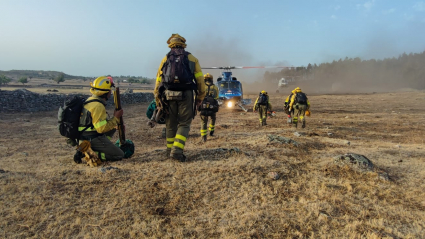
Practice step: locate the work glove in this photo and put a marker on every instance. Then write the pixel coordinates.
(118, 113)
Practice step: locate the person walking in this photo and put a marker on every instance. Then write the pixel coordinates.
(179, 76)
(209, 107)
(262, 104)
(299, 104)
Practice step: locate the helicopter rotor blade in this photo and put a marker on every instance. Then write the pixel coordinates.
(244, 67)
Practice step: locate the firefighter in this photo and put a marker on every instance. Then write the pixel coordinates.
(262, 104)
(175, 95)
(95, 125)
(286, 107)
(299, 104)
(212, 91)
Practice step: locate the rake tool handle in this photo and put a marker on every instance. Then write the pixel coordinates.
(117, 102)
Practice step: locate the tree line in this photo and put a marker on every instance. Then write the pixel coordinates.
(405, 71)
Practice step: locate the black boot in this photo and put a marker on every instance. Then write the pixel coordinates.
(204, 139)
(179, 157)
(211, 133)
(303, 125)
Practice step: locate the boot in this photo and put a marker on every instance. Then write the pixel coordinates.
(204, 139)
(77, 157)
(264, 123)
(211, 133)
(179, 157)
(303, 125)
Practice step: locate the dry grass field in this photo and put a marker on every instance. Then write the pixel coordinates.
(223, 193)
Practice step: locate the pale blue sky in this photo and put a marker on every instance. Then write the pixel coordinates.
(94, 37)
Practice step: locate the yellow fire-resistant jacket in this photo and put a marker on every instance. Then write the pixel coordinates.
(288, 98)
(95, 113)
(293, 99)
(256, 106)
(213, 90)
(197, 72)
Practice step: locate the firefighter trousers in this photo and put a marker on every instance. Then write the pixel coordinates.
(262, 113)
(299, 114)
(178, 122)
(204, 124)
(106, 150)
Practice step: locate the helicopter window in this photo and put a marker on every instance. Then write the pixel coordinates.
(230, 85)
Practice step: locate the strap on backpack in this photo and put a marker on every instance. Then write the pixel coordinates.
(91, 125)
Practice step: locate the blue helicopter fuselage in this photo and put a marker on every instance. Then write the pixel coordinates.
(229, 89)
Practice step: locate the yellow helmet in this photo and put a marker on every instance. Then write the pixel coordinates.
(307, 113)
(208, 75)
(101, 85)
(263, 92)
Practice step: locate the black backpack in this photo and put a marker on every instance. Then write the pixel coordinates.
(69, 117)
(262, 99)
(209, 105)
(300, 98)
(176, 73)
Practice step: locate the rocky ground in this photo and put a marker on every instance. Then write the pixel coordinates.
(246, 182)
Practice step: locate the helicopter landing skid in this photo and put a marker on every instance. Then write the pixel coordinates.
(243, 108)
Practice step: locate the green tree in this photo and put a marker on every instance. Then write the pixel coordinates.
(60, 78)
(23, 80)
(4, 80)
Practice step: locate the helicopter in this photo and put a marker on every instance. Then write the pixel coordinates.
(230, 90)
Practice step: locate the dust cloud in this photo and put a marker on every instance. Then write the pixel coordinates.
(215, 51)
(340, 76)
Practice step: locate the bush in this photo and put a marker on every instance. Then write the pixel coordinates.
(23, 80)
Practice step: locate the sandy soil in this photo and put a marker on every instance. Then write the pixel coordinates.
(224, 193)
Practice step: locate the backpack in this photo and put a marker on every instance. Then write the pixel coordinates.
(262, 99)
(69, 117)
(209, 105)
(176, 73)
(300, 98)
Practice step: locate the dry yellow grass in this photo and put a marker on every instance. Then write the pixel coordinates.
(44, 194)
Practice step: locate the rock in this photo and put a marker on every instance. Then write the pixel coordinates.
(330, 134)
(383, 176)
(398, 146)
(25, 153)
(2, 171)
(104, 169)
(282, 140)
(324, 216)
(357, 160)
(297, 134)
(313, 134)
(346, 117)
(273, 175)
(348, 142)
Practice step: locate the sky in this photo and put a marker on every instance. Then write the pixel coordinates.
(94, 37)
